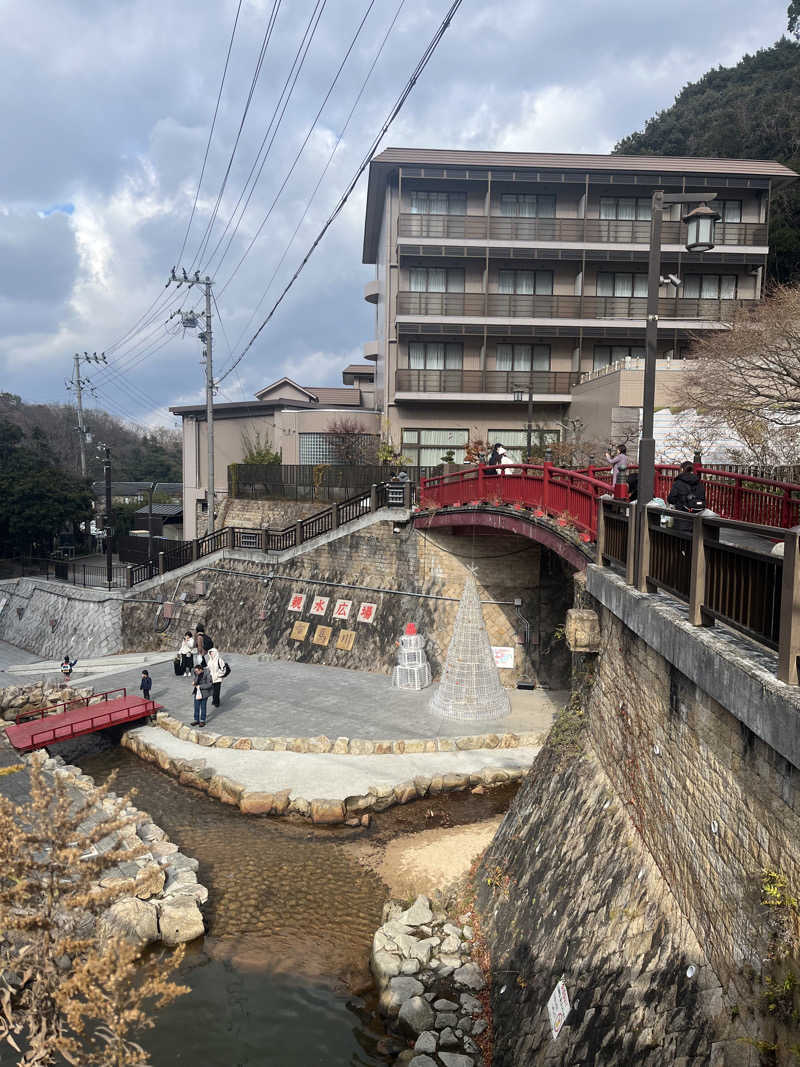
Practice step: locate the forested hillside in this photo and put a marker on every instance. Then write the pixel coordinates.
(750, 111)
(135, 455)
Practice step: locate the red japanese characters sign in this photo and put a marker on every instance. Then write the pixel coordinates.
(366, 613)
(341, 609)
(297, 601)
(319, 605)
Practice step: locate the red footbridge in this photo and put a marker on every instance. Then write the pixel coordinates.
(73, 718)
(571, 496)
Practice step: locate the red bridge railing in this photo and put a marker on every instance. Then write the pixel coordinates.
(554, 490)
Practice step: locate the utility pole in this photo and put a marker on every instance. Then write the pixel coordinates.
(189, 321)
(77, 383)
(108, 526)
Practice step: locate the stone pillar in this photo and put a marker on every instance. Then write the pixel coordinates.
(373, 498)
(161, 563)
(195, 550)
(298, 537)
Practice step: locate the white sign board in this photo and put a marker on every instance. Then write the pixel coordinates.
(558, 1008)
(503, 657)
(319, 605)
(342, 609)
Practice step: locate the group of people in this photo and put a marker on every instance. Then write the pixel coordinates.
(686, 494)
(498, 457)
(199, 660)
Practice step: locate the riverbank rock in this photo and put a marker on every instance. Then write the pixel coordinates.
(135, 920)
(432, 1005)
(17, 699)
(179, 920)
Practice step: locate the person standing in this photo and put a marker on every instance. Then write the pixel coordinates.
(688, 492)
(619, 463)
(205, 643)
(146, 684)
(218, 669)
(201, 690)
(186, 652)
(66, 668)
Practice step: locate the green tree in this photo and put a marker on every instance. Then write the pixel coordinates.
(750, 111)
(37, 499)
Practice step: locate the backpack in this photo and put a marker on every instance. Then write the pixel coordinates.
(227, 670)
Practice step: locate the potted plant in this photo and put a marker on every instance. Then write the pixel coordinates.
(565, 519)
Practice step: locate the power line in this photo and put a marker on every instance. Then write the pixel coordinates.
(210, 132)
(315, 190)
(289, 84)
(296, 159)
(418, 70)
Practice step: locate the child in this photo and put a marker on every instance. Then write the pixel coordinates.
(146, 684)
(66, 667)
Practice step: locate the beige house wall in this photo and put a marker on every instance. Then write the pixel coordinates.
(594, 401)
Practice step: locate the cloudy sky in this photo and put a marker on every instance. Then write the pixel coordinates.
(107, 106)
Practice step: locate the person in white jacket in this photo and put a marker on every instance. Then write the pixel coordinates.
(217, 668)
(186, 652)
(505, 459)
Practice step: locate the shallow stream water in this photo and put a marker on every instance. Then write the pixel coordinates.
(290, 920)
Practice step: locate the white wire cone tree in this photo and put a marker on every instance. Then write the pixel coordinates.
(470, 684)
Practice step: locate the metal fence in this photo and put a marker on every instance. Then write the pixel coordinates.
(92, 575)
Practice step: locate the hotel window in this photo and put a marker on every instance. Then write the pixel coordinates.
(619, 284)
(435, 280)
(628, 208)
(425, 448)
(605, 355)
(528, 207)
(522, 357)
(515, 441)
(438, 203)
(709, 286)
(731, 210)
(435, 355)
(526, 282)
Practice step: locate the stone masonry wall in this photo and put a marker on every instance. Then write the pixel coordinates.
(51, 618)
(714, 805)
(377, 566)
(273, 514)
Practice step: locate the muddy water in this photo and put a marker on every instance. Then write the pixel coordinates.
(290, 920)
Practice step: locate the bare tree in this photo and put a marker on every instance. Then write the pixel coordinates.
(351, 445)
(747, 378)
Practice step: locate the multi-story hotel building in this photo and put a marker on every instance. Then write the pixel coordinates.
(499, 272)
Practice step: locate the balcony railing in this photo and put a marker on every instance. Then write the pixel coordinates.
(504, 306)
(500, 228)
(484, 381)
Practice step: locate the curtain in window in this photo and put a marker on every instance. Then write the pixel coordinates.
(455, 281)
(454, 357)
(503, 357)
(541, 357)
(640, 285)
(626, 209)
(437, 280)
(544, 282)
(731, 210)
(416, 355)
(727, 287)
(437, 203)
(524, 280)
(605, 284)
(546, 207)
(623, 285)
(709, 288)
(419, 203)
(522, 357)
(608, 208)
(434, 355)
(508, 206)
(527, 207)
(506, 281)
(643, 210)
(691, 286)
(417, 279)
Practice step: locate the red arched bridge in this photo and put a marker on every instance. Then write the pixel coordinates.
(571, 496)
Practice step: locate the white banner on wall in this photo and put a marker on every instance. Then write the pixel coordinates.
(503, 657)
(558, 1008)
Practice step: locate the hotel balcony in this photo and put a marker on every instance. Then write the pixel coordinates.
(466, 384)
(576, 231)
(510, 306)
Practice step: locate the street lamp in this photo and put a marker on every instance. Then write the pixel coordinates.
(519, 396)
(700, 238)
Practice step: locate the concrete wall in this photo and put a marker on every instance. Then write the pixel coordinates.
(374, 565)
(51, 618)
(594, 400)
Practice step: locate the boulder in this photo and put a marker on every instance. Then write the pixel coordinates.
(418, 914)
(179, 920)
(327, 811)
(426, 1042)
(135, 920)
(422, 1061)
(401, 989)
(281, 802)
(385, 965)
(415, 1015)
(256, 803)
(470, 975)
(456, 1059)
(149, 881)
(447, 1039)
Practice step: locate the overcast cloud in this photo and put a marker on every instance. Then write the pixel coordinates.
(106, 111)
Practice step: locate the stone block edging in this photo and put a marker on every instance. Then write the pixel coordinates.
(351, 746)
(353, 811)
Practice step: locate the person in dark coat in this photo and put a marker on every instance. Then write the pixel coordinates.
(687, 492)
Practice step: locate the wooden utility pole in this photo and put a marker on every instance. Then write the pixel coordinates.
(77, 383)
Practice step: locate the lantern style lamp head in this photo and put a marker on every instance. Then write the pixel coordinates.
(700, 225)
(518, 395)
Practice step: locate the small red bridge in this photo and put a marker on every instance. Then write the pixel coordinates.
(571, 496)
(83, 715)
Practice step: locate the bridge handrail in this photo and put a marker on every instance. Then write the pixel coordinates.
(41, 713)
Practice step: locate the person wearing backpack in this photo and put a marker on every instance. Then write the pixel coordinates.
(218, 669)
(687, 494)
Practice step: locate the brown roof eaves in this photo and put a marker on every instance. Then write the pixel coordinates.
(388, 160)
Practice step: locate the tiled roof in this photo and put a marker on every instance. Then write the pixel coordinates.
(359, 368)
(340, 395)
(167, 511)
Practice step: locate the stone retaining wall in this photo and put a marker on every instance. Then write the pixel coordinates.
(17, 699)
(353, 811)
(51, 618)
(353, 746)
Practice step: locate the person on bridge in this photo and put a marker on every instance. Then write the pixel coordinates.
(618, 463)
(495, 458)
(201, 690)
(688, 492)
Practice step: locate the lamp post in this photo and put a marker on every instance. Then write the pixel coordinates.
(700, 238)
(519, 396)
